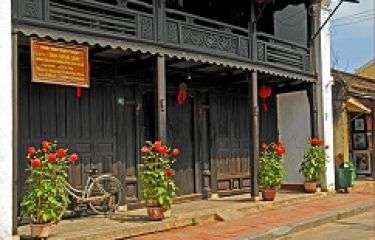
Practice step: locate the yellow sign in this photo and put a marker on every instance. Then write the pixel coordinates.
(59, 63)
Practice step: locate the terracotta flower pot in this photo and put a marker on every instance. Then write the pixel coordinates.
(310, 187)
(40, 230)
(155, 213)
(268, 194)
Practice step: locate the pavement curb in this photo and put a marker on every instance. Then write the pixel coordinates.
(151, 227)
(309, 223)
(286, 202)
(178, 222)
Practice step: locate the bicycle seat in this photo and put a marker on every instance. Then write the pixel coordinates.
(92, 171)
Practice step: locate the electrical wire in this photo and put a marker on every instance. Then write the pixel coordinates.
(352, 22)
(354, 15)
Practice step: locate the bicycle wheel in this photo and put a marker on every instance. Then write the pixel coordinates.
(105, 192)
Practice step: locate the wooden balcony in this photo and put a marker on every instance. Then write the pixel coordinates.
(139, 21)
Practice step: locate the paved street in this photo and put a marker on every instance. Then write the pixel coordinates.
(357, 227)
(272, 222)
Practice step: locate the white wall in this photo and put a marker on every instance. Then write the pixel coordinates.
(294, 126)
(326, 79)
(6, 154)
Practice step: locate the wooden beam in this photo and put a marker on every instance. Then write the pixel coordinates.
(254, 133)
(160, 99)
(311, 91)
(16, 134)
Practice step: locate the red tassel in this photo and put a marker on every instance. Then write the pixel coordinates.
(181, 97)
(78, 92)
(264, 107)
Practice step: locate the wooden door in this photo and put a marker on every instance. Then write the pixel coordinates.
(180, 134)
(85, 125)
(129, 121)
(230, 136)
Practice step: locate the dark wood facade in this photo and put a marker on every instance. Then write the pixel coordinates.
(166, 25)
(133, 91)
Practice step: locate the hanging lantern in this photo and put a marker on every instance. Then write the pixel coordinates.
(264, 92)
(181, 96)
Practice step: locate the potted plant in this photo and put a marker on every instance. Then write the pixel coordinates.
(314, 164)
(46, 197)
(271, 172)
(156, 174)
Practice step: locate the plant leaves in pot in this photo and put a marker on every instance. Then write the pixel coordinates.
(156, 174)
(46, 198)
(271, 172)
(313, 166)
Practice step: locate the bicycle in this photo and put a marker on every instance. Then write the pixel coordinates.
(102, 192)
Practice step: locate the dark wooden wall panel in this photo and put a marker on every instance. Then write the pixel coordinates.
(86, 125)
(180, 129)
(61, 128)
(231, 132)
(268, 122)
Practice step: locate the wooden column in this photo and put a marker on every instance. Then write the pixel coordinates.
(252, 32)
(312, 92)
(373, 139)
(159, 6)
(160, 99)
(15, 64)
(254, 133)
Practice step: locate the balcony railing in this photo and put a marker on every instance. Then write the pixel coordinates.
(138, 20)
(198, 32)
(281, 52)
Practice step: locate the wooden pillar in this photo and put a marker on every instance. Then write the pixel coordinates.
(159, 8)
(252, 32)
(373, 139)
(160, 99)
(15, 64)
(312, 92)
(254, 133)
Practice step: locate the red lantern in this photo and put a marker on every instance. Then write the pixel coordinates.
(181, 96)
(264, 92)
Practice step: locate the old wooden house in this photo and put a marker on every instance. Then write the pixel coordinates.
(354, 127)
(141, 54)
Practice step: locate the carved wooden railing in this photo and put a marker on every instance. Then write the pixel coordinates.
(132, 19)
(282, 52)
(149, 21)
(197, 32)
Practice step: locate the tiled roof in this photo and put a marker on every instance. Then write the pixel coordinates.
(354, 84)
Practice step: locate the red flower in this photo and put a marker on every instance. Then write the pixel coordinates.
(45, 145)
(61, 153)
(36, 163)
(31, 151)
(157, 144)
(264, 146)
(316, 141)
(278, 145)
(175, 152)
(162, 150)
(280, 151)
(169, 172)
(52, 157)
(73, 158)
